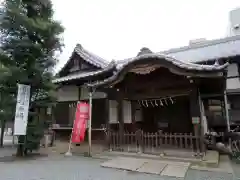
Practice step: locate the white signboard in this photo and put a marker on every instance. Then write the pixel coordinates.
(22, 106)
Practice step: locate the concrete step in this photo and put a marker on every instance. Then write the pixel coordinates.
(211, 159)
(224, 165)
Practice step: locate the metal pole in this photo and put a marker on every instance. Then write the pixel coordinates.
(226, 110)
(90, 124)
(69, 153)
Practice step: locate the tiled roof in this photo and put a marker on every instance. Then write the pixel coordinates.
(174, 61)
(80, 75)
(88, 56)
(191, 67)
(182, 57)
(75, 76)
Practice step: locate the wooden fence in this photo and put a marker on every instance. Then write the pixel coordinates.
(154, 143)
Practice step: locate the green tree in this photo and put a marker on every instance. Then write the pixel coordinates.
(30, 37)
(7, 101)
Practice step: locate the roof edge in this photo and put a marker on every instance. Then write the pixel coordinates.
(87, 56)
(171, 63)
(111, 67)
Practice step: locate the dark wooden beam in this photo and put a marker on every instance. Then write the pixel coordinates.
(167, 92)
(156, 85)
(79, 92)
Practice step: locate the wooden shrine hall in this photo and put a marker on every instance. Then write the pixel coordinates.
(151, 102)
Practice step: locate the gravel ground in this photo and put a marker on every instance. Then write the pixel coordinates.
(82, 168)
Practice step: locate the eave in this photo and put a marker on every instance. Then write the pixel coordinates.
(174, 65)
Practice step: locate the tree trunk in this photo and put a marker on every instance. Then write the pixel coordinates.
(20, 148)
(2, 132)
(25, 152)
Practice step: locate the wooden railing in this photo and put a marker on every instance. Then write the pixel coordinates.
(154, 143)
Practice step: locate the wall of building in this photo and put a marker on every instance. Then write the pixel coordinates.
(233, 87)
(67, 96)
(234, 22)
(127, 112)
(233, 80)
(234, 111)
(67, 93)
(71, 93)
(95, 95)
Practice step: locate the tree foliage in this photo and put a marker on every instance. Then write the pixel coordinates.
(7, 100)
(30, 37)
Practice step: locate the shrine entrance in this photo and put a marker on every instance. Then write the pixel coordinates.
(171, 115)
(155, 104)
(160, 113)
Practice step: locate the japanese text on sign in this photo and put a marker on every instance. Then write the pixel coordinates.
(22, 106)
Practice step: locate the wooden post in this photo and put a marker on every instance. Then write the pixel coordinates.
(202, 125)
(195, 113)
(107, 124)
(79, 93)
(120, 117)
(90, 123)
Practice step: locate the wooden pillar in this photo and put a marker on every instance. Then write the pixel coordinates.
(120, 116)
(133, 109)
(107, 124)
(195, 111)
(196, 118)
(107, 120)
(79, 93)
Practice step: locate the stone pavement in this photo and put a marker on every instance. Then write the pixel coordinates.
(58, 167)
(83, 168)
(163, 168)
(173, 168)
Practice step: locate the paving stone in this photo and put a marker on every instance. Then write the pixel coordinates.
(152, 167)
(131, 164)
(175, 171)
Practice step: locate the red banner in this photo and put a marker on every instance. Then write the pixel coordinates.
(80, 122)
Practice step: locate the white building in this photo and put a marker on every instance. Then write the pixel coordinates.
(234, 22)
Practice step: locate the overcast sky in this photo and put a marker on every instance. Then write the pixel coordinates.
(117, 29)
